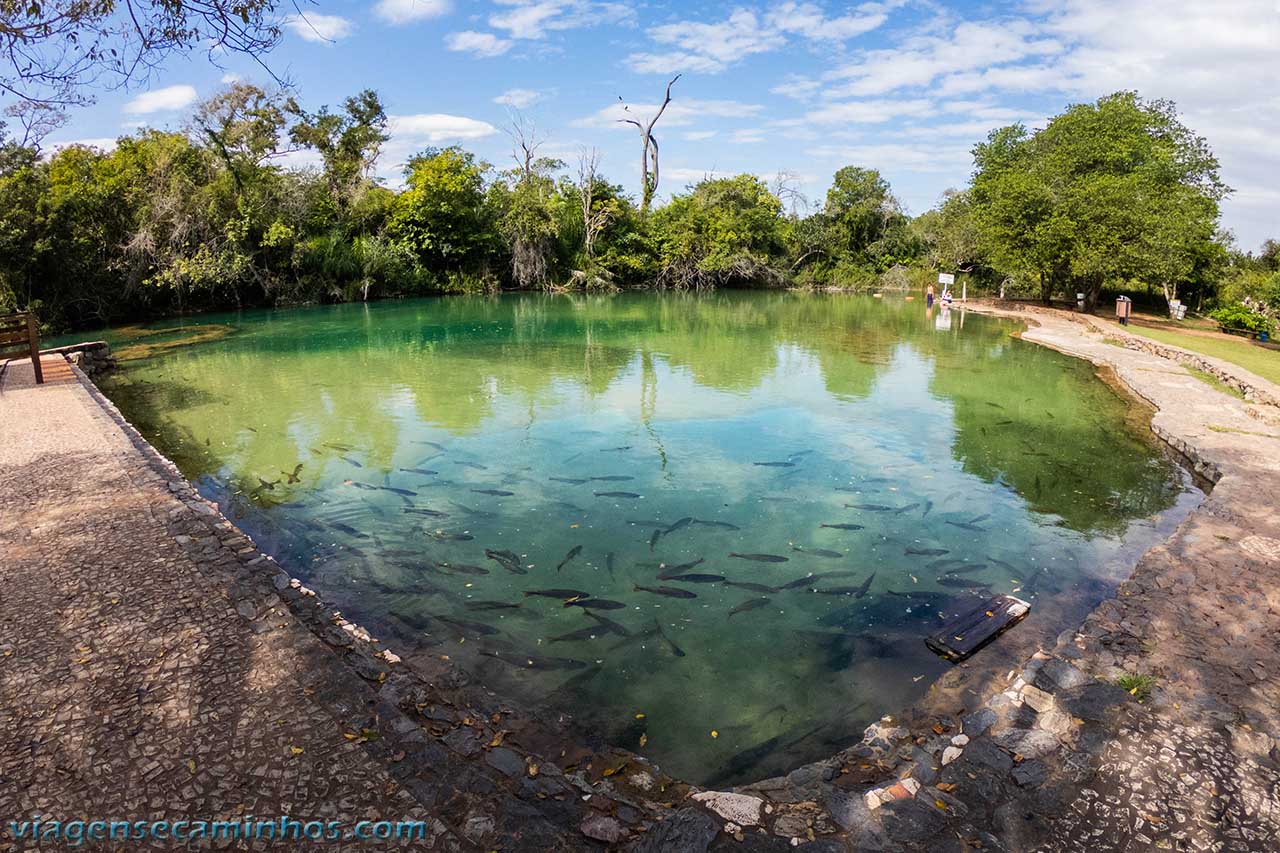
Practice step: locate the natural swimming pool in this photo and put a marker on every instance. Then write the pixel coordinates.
(755, 505)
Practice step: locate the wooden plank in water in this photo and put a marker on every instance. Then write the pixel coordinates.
(963, 635)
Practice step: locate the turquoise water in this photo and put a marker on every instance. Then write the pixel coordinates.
(749, 508)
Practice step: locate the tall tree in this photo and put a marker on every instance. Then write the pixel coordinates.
(348, 142)
(649, 148)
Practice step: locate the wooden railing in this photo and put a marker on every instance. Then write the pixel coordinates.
(18, 334)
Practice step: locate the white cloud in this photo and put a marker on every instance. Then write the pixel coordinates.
(680, 112)
(712, 47)
(479, 44)
(101, 143)
(408, 11)
(906, 156)
(519, 98)
(313, 26)
(228, 79)
(692, 176)
(161, 100)
(747, 136)
(699, 135)
(533, 19)
(870, 111)
(437, 127)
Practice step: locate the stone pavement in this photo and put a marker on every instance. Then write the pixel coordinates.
(154, 664)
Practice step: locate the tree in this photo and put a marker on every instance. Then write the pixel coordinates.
(348, 142)
(649, 148)
(243, 124)
(1111, 191)
(444, 216)
(55, 47)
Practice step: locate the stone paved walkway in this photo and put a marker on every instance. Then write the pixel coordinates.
(154, 664)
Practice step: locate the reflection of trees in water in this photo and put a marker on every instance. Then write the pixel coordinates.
(360, 375)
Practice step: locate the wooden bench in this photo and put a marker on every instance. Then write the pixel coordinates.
(965, 634)
(18, 334)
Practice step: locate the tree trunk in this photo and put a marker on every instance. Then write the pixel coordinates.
(1046, 288)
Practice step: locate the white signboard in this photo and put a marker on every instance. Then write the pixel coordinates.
(946, 278)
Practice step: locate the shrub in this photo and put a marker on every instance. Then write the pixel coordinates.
(1241, 316)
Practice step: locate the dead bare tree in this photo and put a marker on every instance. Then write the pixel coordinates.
(787, 190)
(594, 219)
(649, 148)
(525, 142)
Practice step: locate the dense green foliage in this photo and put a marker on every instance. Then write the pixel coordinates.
(1241, 317)
(1116, 194)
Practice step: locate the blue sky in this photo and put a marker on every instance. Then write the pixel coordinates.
(905, 86)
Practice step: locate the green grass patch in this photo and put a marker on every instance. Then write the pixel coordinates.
(1256, 359)
(1217, 428)
(1214, 382)
(1138, 686)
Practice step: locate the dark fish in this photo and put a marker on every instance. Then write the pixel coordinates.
(964, 525)
(269, 486)
(479, 513)
(570, 480)
(838, 590)
(439, 447)
(979, 518)
(345, 448)
(616, 494)
(644, 522)
(475, 465)
(609, 625)
(509, 560)
(608, 563)
(588, 633)
(961, 583)
(465, 569)
(653, 540)
(250, 429)
(669, 592)
(362, 486)
(556, 593)
(403, 492)
(350, 461)
(809, 580)
(964, 570)
(692, 578)
(928, 507)
(596, 604)
(501, 493)
(573, 552)
(751, 604)
(683, 567)
(870, 507)
(864, 586)
(470, 627)
(760, 558)
(429, 513)
(614, 478)
(426, 472)
(491, 605)
(926, 552)
(293, 478)
(753, 587)
(774, 464)
(349, 530)
(994, 405)
(817, 552)
(675, 650)
(442, 536)
(534, 661)
(1002, 564)
(679, 525)
(723, 525)
(843, 526)
(900, 510)
(616, 449)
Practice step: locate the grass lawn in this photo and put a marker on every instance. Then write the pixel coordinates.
(1255, 359)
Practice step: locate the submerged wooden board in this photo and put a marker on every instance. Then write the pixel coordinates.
(963, 635)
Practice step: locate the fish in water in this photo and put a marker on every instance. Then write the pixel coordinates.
(362, 486)
(760, 558)
(965, 569)
(928, 508)
(870, 507)
(464, 569)
(556, 593)
(965, 525)
(509, 560)
(751, 604)
(437, 446)
(669, 592)
(774, 464)
(653, 540)
(476, 465)
(961, 583)
(402, 492)
(692, 578)
(1002, 564)
(429, 513)
(568, 558)
(644, 522)
(588, 633)
(683, 567)
(809, 580)
(609, 625)
(864, 586)
(723, 525)
(469, 627)
(608, 563)
(843, 526)
(269, 486)
(616, 449)
(838, 590)
(900, 510)
(293, 478)
(350, 461)
(754, 587)
(679, 525)
(675, 650)
(349, 530)
(501, 493)
(817, 552)
(443, 536)
(616, 494)
(491, 605)
(344, 448)
(978, 518)
(573, 481)
(478, 513)
(426, 472)
(926, 552)
(595, 604)
(534, 661)
(613, 478)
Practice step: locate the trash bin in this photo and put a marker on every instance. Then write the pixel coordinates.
(1264, 336)
(1079, 301)
(1124, 307)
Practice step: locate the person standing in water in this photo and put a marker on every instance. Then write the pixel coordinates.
(928, 297)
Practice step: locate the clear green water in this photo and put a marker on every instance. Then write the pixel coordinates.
(945, 434)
